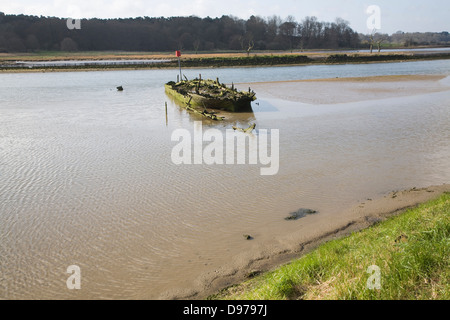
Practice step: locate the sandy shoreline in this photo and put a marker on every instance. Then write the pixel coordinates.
(355, 218)
(391, 78)
(345, 90)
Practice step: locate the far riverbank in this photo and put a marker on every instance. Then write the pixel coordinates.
(104, 61)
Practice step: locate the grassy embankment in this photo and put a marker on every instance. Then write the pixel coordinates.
(412, 251)
(206, 60)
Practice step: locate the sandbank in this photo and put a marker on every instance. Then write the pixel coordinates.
(356, 218)
(345, 90)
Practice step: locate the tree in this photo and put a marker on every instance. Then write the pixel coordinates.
(235, 42)
(32, 42)
(309, 31)
(15, 44)
(3, 44)
(68, 45)
(256, 29)
(21, 33)
(372, 41)
(288, 30)
(247, 44)
(379, 39)
(185, 41)
(197, 44)
(273, 25)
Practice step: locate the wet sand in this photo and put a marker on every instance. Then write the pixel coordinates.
(344, 90)
(355, 218)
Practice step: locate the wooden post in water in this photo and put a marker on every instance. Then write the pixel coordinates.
(167, 119)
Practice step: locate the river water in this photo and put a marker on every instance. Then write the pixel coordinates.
(86, 176)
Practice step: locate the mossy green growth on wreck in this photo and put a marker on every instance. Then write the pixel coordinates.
(211, 94)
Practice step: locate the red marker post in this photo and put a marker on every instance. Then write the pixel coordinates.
(178, 54)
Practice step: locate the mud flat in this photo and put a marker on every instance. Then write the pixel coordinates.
(344, 90)
(354, 219)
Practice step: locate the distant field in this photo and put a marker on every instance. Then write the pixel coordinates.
(89, 55)
(204, 59)
(107, 55)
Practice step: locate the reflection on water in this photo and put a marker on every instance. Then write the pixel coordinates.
(87, 179)
(229, 118)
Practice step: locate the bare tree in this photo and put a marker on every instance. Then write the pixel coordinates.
(379, 44)
(371, 39)
(273, 25)
(247, 45)
(251, 45)
(377, 39)
(197, 43)
(288, 30)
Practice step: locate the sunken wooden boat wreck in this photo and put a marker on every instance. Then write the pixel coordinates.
(209, 94)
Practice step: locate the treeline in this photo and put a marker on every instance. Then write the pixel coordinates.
(21, 33)
(408, 39)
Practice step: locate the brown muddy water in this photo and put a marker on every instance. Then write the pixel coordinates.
(87, 177)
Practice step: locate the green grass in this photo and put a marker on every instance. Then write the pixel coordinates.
(412, 251)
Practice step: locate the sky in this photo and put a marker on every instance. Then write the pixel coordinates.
(395, 15)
